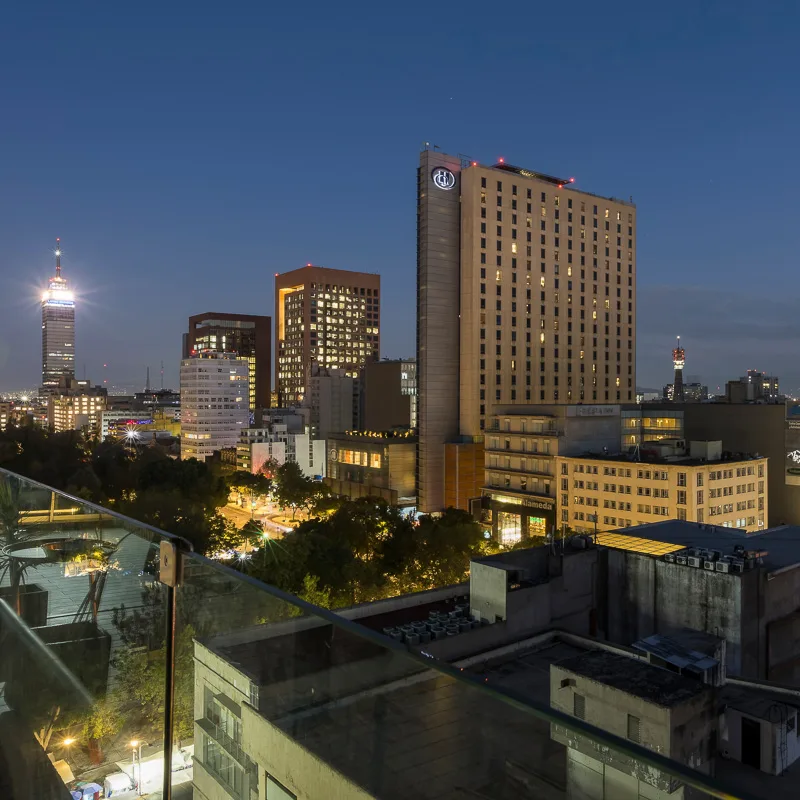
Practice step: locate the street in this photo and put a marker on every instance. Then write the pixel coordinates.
(263, 513)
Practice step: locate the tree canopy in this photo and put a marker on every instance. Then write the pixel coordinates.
(366, 550)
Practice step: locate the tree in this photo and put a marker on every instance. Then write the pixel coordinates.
(139, 693)
(102, 720)
(368, 550)
(292, 488)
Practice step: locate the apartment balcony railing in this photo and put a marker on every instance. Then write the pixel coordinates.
(99, 612)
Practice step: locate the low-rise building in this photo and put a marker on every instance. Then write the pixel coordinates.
(303, 708)
(281, 435)
(527, 492)
(663, 481)
(373, 464)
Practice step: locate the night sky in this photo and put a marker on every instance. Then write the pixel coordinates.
(185, 152)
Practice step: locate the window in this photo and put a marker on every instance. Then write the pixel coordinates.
(634, 729)
(276, 791)
(579, 706)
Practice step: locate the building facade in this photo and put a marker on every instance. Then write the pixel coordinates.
(603, 493)
(520, 489)
(333, 399)
(525, 294)
(214, 403)
(540, 462)
(247, 336)
(76, 408)
(58, 329)
(390, 395)
(329, 317)
(277, 443)
(755, 387)
(374, 464)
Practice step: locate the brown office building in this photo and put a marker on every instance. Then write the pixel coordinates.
(330, 317)
(390, 395)
(244, 335)
(526, 293)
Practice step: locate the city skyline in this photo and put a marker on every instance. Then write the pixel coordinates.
(151, 204)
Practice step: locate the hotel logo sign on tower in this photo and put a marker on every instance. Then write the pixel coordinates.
(443, 178)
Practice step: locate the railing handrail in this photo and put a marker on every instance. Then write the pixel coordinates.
(514, 699)
(185, 544)
(546, 713)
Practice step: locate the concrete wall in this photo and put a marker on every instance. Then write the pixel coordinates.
(780, 626)
(566, 601)
(608, 708)
(692, 727)
(590, 434)
(385, 406)
(774, 760)
(488, 590)
(299, 770)
(590, 779)
(647, 595)
(438, 290)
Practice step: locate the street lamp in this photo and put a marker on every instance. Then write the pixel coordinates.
(137, 745)
(66, 745)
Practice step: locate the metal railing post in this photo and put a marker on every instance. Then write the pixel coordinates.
(170, 567)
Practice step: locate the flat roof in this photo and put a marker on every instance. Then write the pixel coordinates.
(624, 542)
(782, 544)
(438, 739)
(646, 457)
(653, 684)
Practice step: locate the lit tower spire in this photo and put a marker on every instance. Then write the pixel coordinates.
(58, 257)
(678, 361)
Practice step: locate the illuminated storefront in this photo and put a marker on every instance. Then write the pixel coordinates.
(514, 518)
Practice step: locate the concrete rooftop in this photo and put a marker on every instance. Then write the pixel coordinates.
(782, 543)
(658, 686)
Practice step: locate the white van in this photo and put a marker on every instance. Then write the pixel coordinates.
(117, 783)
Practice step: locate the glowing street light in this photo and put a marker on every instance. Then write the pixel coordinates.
(137, 745)
(68, 741)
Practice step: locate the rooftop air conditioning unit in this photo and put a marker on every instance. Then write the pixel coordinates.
(669, 557)
(708, 565)
(723, 566)
(737, 565)
(694, 561)
(680, 560)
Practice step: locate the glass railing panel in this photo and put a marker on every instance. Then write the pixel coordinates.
(282, 694)
(82, 634)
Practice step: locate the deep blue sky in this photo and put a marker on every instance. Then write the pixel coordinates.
(185, 152)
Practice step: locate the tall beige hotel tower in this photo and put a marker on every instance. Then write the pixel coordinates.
(526, 294)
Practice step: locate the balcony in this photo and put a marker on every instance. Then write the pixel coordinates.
(329, 706)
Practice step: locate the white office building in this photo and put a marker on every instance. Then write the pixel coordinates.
(281, 438)
(214, 403)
